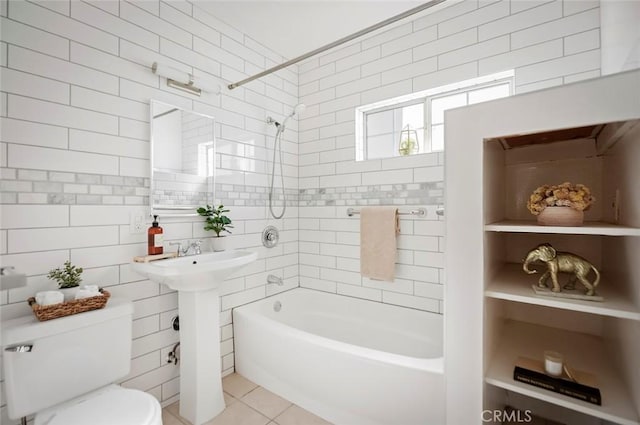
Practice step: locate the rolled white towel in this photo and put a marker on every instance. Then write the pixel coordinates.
(49, 297)
(93, 288)
(87, 291)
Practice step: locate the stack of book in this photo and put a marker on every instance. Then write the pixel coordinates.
(582, 386)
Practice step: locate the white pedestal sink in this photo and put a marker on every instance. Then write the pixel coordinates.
(197, 278)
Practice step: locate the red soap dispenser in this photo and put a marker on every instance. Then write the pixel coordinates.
(155, 237)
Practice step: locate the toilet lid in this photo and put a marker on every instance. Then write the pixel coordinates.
(117, 406)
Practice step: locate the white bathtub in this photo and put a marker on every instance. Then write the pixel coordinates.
(349, 361)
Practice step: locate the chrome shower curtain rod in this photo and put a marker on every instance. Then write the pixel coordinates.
(339, 42)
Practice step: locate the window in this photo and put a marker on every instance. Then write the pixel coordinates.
(384, 129)
(414, 123)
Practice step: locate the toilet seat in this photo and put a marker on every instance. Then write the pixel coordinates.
(106, 406)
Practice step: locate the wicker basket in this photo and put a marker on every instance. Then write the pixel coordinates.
(54, 311)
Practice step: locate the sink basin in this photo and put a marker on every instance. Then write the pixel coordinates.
(196, 272)
(197, 278)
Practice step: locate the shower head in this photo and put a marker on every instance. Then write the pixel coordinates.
(299, 109)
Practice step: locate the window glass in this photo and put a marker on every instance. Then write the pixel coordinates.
(380, 146)
(413, 116)
(380, 123)
(414, 124)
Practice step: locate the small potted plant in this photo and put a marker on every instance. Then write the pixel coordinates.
(68, 277)
(217, 222)
(408, 141)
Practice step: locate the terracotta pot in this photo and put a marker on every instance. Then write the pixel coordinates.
(560, 216)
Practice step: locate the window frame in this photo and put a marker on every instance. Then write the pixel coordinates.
(425, 97)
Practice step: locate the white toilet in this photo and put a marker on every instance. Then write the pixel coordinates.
(63, 370)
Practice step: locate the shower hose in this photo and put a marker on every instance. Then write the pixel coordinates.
(277, 148)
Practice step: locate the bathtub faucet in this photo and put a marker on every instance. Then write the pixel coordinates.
(275, 279)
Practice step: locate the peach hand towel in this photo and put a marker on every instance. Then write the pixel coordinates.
(379, 227)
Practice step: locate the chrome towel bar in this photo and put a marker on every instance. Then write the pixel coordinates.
(418, 211)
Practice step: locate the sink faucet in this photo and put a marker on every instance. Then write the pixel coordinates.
(183, 252)
(196, 247)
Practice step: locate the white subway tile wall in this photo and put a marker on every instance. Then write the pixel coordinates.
(547, 43)
(75, 90)
(76, 83)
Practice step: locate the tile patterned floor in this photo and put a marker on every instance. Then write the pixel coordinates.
(249, 404)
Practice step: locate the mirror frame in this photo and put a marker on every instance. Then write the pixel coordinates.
(177, 210)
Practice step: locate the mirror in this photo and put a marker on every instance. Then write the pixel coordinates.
(182, 160)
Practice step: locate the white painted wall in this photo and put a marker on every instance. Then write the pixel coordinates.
(548, 43)
(75, 90)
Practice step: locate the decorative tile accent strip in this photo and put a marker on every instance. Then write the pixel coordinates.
(52, 187)
(243, 195)
(431, 193)
(94, 189)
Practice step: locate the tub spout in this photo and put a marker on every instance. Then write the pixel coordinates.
(275, 279)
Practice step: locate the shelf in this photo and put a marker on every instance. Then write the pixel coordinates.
(512, 284)
(581, 351)
(589, 228)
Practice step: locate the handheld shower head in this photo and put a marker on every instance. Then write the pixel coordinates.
(277, 149)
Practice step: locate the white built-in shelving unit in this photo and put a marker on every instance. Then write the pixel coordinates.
(589, 133)
(511, 284)
(525, 339)
(589, 228)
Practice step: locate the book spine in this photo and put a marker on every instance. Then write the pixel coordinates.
(570, 389)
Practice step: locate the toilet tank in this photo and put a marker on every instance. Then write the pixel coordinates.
(68, 356)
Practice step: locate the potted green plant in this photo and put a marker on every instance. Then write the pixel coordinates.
(68, 278)
(217, 222)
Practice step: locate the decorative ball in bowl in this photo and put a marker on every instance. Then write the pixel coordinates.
(560, 205)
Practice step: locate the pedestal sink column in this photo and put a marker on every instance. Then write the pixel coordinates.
(201, 396)
(197, 278)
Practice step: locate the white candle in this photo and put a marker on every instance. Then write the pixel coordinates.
(553, 363)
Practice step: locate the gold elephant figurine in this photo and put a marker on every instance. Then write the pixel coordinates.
(566, 262)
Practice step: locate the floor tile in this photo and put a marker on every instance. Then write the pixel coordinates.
(239, 414)
(229, 399)
(296, 415)
(237, 385)
(169, 419)
(174, 408)
(249, 404)
(266, 402)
